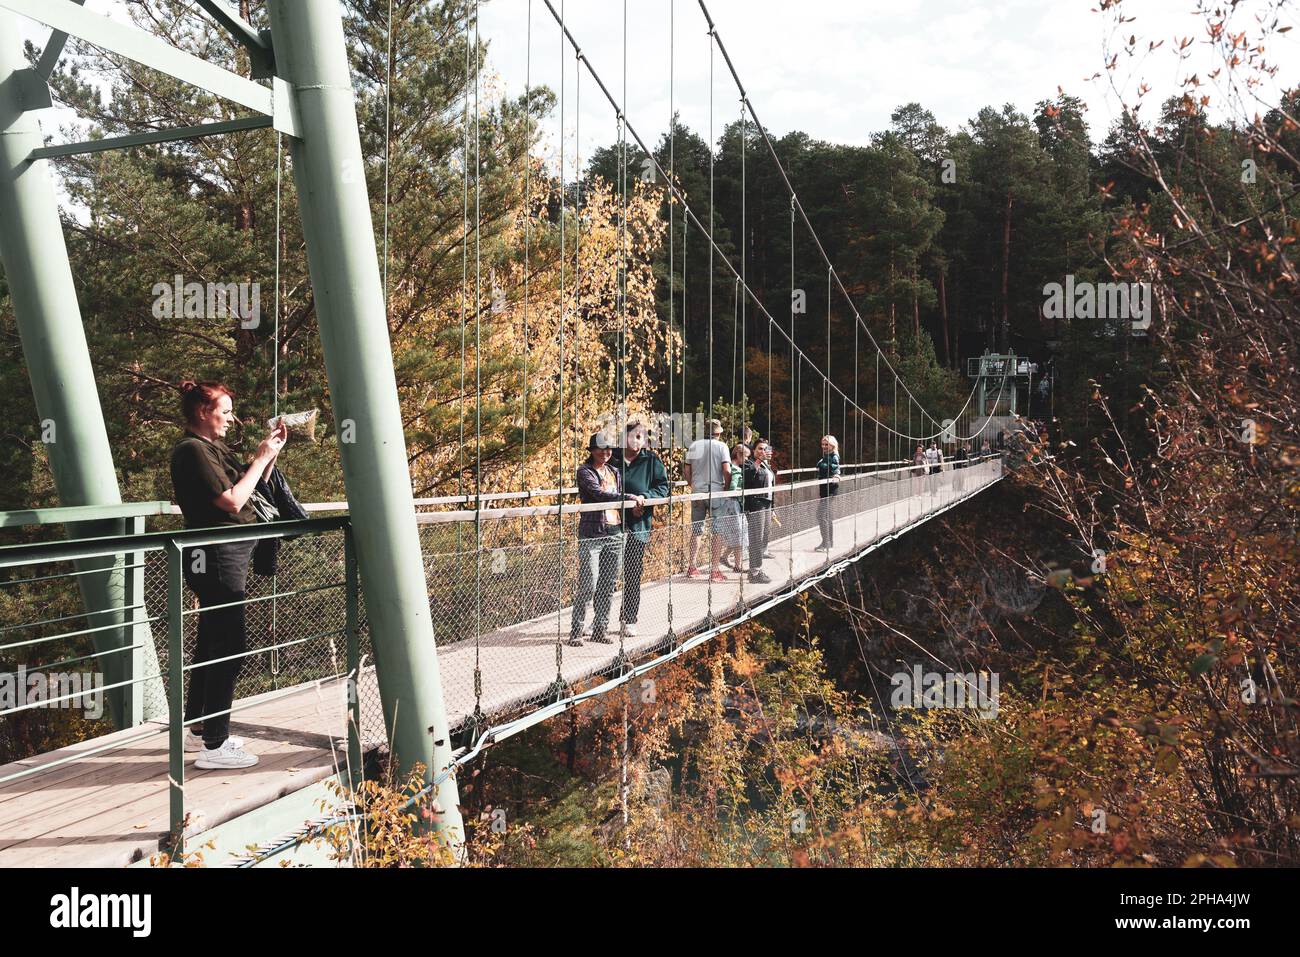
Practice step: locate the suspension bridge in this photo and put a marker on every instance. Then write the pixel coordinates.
(429, 628)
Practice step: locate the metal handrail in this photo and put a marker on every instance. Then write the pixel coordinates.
(37, 552)
(79, 614)
(94, 654)
(84, 631)
(82, 513)
(240, 656)
(46, 702)
(526, 511)
(75, 574)
(274, 596)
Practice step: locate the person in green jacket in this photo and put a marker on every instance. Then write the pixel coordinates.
(643, 474)
(828, 473)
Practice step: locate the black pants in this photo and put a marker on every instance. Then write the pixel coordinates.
(606, 550)
(759, 526)
(825, 517)
(217, 574)
(633, 567)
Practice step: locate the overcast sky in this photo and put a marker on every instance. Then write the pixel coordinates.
(836, 68)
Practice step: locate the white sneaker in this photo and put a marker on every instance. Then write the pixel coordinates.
(629, 629)
(228, 756)
(194, 742)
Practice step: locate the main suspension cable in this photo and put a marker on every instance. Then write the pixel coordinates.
(808, 223)
(690, 214)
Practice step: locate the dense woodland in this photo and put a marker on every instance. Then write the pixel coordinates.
(1173, 452)
(944, 238)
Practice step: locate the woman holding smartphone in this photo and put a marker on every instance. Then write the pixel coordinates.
(213, 487)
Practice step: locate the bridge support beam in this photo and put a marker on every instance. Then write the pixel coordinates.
(58, 362)
(311, 55)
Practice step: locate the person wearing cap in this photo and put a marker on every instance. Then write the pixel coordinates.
(642, 473)
(708, 469)
(960, 458)
(600, 538)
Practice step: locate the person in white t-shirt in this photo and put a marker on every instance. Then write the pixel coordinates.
(933, 462)
(708, 469)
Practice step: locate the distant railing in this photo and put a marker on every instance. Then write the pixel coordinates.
(852, 469)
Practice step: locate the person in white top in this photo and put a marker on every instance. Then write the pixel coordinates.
(933, 461)
(708, 469)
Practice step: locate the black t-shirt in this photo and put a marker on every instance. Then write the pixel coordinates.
(202, 470)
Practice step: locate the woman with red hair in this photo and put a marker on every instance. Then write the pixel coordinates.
(213, 488)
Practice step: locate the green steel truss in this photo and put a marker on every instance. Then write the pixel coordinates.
(310, 98)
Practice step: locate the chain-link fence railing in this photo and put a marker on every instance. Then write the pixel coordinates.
(503, 587)
(296, 625)
(285, 615)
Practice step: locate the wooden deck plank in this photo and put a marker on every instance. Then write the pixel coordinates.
(9, 792)
(112, 764)
(118, 805)
(134, 762)
(144, 820)
(139, 762)
(213, 797)
(106, 769)
(140, 798)
(115, 837)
